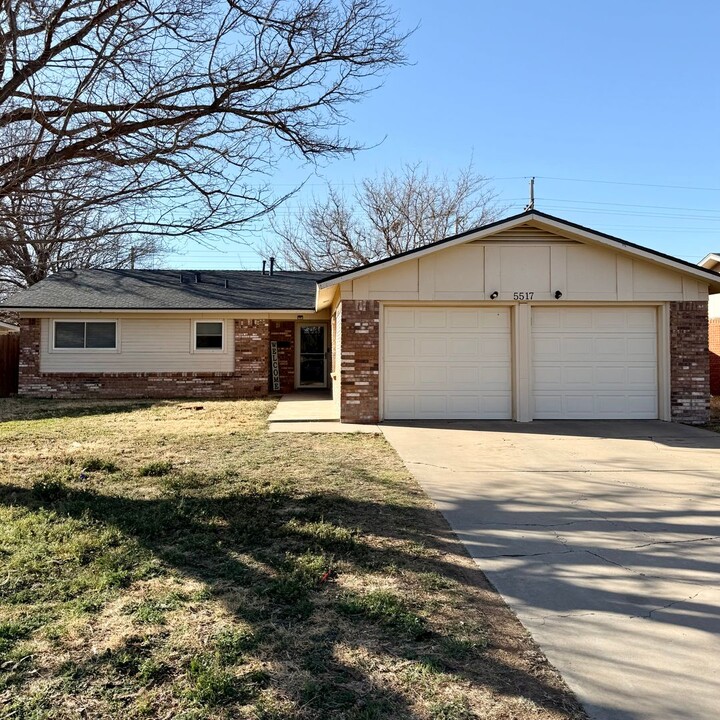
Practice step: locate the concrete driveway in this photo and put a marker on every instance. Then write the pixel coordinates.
(604, 538)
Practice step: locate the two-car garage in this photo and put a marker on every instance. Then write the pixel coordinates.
(586, 362)
(527, 318)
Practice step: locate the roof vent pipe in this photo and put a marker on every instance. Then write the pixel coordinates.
(197, 277)
(226, 284)
(272, 265)
(264, 263)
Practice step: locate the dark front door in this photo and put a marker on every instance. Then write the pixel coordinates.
(313, 356)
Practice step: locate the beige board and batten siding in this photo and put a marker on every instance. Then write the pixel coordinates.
(145, 344)
(536, 261)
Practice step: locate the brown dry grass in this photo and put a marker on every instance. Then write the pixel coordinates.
(163, 561)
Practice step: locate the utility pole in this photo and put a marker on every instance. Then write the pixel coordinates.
(531, 204)
(132, 257)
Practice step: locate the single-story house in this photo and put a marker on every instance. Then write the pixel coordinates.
(8, 328)
(530, 317)
(712, 262)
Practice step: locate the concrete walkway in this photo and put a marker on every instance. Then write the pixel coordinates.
(604, 538)
(307, 411)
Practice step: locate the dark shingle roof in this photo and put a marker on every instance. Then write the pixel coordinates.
(170, 290)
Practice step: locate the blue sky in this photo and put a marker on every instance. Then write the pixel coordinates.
(613, 106)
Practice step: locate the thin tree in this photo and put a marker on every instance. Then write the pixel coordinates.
(177, 106)
(382, 216)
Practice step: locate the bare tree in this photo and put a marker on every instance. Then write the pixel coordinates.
(178, 105)
(383, 216)
(64, 220)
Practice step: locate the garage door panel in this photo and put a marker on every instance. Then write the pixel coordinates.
(399, 346)
(604, 368)
(451, 363)
(399, 318)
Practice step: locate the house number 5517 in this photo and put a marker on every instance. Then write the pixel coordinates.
(523, 295)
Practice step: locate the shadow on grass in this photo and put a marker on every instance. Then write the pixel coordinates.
(278, 548)
(13, 409)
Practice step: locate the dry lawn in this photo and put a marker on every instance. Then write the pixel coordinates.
(174, 560)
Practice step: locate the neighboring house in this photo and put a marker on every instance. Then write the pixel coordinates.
(531, 317)
(712, 262)
(8, 328)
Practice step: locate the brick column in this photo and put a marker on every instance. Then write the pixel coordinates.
(714, 345)
(359, 361)
(251, 358)
(689, 366)
(29, 372)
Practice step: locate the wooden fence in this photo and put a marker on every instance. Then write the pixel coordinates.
(9, 364)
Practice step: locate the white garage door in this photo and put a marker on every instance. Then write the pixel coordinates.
(446, 363)
(595, 362)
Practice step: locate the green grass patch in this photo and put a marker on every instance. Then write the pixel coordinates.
(157, 468)
(384, 608)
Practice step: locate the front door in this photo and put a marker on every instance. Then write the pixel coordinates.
(312, 355)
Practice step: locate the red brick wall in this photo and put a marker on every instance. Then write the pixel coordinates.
(249, 379)
(714, 345)
(689, 365)
(283, 331)
(359, 361)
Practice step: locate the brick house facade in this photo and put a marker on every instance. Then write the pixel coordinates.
(249, 379)
(627, 336)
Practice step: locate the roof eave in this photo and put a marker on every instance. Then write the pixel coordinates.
(28, 309)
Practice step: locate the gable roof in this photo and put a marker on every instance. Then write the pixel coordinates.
(540, 220)
(710, 261)
(170, 290)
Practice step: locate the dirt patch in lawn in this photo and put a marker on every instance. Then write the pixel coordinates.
(175, 560)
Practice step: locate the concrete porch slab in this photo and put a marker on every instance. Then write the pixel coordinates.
(311, 412)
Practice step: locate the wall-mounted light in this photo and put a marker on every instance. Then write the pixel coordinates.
(494, 295)
(558, 294)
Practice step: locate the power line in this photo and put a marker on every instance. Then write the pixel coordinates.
(634, 184)
(656, 207)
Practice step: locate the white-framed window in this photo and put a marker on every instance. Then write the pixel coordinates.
(209, 336)
(97, 335)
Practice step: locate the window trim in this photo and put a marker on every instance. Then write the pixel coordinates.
(193, 337)
(84, 350)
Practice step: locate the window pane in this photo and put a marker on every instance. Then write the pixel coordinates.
(69, 334)
(208, 335)
(100, 335)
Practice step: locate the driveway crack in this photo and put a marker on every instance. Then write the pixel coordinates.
(676, 542)
(670, 604)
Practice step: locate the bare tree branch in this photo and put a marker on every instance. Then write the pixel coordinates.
(176, 106)
(384, 216)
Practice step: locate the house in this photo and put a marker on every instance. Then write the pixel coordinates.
(8, 328)
(712, 262)
(530, 317)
